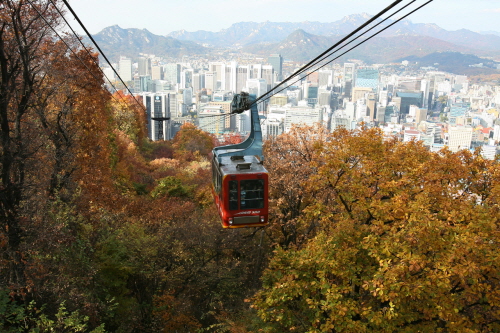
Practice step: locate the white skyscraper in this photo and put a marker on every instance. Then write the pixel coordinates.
(125, 69)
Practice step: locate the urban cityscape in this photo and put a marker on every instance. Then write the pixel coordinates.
(404, 100)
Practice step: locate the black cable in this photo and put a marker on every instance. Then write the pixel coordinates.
(83, 45)
(102, 53)
(364, 33)
(375, 34)
(305, 67)
(65, 43)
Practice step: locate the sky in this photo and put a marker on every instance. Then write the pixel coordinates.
(164, 16)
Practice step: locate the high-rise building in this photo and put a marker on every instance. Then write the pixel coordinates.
(367, 77)
(420, 115)
(230, 122)
(371, 103)
(349, 72)
(325, 78)
(172, 73)
(209, 121)
(211, 81)
(144, 65)
(125, 69)
(458, 137)
(198, 82)
(276, 61)
(268, 75)
(409, 98)
(360, 92)
(157, 116)
(242, 75)
(156, 73)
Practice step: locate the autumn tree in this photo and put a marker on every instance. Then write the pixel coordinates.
(192, 143)
(407, 243)
(287, 158)
(25, 40)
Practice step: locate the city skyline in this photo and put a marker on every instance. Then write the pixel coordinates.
(479, 15)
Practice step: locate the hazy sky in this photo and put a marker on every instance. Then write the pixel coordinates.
(164, 16)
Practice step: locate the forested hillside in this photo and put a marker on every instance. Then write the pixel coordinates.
(105, 231)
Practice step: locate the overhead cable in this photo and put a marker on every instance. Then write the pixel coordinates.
(101, 52)
(375, 34)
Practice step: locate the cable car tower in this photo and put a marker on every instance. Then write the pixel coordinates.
(240, 181)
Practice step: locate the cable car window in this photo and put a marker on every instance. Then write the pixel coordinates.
(233, 194)
(252, 193)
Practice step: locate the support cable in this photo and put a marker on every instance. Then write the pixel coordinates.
(83, 45)
(65, 43)
(101, 52)
(312, 62)
(262, 98)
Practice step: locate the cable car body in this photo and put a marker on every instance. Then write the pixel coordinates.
(239, 180)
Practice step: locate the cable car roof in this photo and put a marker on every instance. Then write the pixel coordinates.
(232, 166)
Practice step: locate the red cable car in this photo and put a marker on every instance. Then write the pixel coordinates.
(240, 181)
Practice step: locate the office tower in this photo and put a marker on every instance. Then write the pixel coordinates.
(109, 73)
(145, 84)
(420, 115)
(367, 77)
(380, 116)
(125, 69)
(174, 105)
(144, 66)
(349, 72)
(272, 127)
(325, 78)
(156, 73)
(209, 121)
(350, 110)
(257, 87)
(409, 98)
(383, 97)
(219, 69)
(303, 115)
(230, 122)
(187, 96)
(172, 73)
(279, 99)
(157, 116)
(186, 78)
(242, 75)
(268, 75)
(198, 82)
(371, 103)
(211, 81)
(458, 137)
(276, 61)
(256, 71)
(360, 92)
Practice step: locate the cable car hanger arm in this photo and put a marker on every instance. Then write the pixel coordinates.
(252, 146)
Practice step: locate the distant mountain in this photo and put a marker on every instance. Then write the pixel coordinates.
(490, 32)
(245, 33)
(115, 41)
(302, 46)
(453, 62)
(298, 46)
(302, 41)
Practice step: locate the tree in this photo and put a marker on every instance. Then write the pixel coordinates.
(25, 40)
(287, 159)
(192, 143)
(408, 243)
